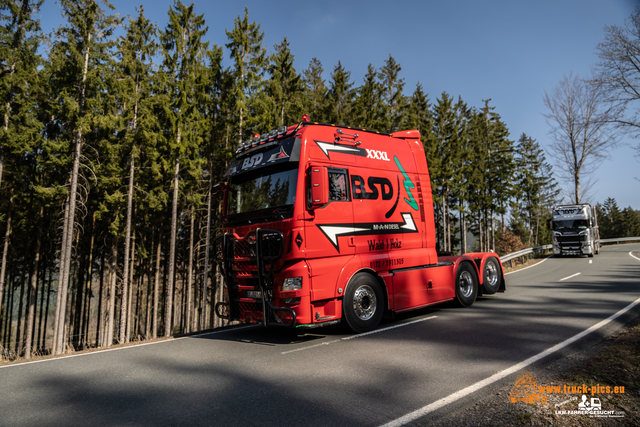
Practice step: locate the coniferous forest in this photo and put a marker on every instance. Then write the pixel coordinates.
(110, 145)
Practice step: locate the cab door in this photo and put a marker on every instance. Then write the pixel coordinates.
(328, 227)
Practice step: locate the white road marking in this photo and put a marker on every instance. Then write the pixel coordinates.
(309, 347)
(123, 348)
(388, 328)
(425, 410)
(359, 335)
(569, 277)
(633, 256)
(590, 261)
(534, 265)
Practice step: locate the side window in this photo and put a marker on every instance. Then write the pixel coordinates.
(338, 188)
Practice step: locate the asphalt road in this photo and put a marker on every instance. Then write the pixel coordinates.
(253, 376)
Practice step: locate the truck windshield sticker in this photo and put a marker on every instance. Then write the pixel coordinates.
(408, 185)
(333, 231)
(277, 156)
(327, 147)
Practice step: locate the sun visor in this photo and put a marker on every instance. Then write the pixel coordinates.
(287, 151)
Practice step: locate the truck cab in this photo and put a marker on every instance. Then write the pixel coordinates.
(326, 223)
(575, 230)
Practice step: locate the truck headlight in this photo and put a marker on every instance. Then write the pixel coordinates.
(292, 284)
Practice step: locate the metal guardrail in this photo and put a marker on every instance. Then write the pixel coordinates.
(528, 251)
(524, 252)
(620, 239)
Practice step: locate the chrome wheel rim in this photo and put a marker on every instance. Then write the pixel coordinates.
(466, 284)
(491, 273)
(364, 302)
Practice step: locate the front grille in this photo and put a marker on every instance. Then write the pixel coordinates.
(571, 239)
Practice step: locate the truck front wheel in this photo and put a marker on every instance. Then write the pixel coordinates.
(466, 285)
(362, 305)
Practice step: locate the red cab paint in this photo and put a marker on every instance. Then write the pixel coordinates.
(326, 223)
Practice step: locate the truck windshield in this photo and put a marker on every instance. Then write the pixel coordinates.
(264, 191)
(570, 224)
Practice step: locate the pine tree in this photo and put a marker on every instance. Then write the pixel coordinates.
(393, 100)
(284, 86)
(78, 55)
(135, 52)
(181, 47)
(340, 96)
(248, 54)
(315, 91)
(19, 41)
(630, 222)
(611, 220)
(367, 107)
(535, 188)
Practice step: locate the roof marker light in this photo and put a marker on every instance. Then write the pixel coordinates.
(305, 118)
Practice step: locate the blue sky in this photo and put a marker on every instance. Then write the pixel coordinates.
(509, 51)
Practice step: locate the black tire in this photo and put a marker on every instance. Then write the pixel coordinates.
(466, 285)
(363, 303)
(491, 276)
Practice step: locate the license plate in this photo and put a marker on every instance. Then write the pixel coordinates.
(254, 294)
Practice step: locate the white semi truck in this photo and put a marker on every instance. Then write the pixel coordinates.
(575, 230)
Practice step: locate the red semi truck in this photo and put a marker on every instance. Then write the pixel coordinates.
(326, 223)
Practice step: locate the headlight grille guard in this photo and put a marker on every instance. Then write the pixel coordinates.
(253, 256)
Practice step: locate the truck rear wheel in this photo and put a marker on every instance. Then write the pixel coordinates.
(362, 305)
(491, 276)
(466, 285)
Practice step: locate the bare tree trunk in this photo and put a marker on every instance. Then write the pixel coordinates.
(46, 313)
(124, 308)
(56, 319)
(493, 233)
(112, 291)
(9, 322)
(147, 326)
(34, 289)
(41, 301)
(133, 256)
(194, 303)
(205, 279)
(19, 341)
(190, 273)
(156, 290)
(100, 298)
(87, 303)
(172, 251)
(5, 252)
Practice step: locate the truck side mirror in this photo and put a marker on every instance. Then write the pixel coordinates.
(318, 187)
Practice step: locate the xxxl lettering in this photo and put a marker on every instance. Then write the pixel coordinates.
(378, 155)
